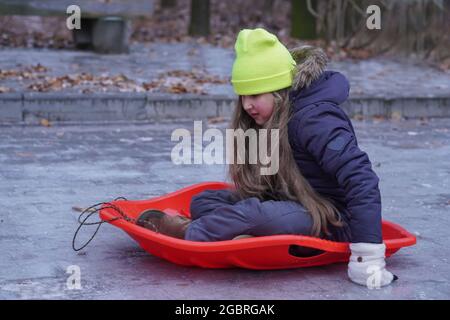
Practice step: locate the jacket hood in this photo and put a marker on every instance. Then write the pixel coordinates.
(311, 83)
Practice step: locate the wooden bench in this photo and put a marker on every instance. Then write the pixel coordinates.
(104, 23)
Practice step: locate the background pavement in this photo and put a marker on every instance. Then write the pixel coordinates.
(46, 171)
(376, 77)
(160, 81)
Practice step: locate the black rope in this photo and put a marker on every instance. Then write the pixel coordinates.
(92, 210)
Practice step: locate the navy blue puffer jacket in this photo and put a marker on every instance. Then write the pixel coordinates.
(326, 151)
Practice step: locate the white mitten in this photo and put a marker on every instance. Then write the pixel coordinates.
(367, 265)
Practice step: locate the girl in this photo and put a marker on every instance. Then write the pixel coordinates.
(325, 185)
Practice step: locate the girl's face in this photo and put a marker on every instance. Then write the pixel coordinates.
(259, 106)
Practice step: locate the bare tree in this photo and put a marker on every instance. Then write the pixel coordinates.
(410, 27)
(168, 3)
(199, 24)
(303, 19)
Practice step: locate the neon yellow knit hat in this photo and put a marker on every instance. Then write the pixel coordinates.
(263, 64)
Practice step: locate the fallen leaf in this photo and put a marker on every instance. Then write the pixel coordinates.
(212, 120)
(378, 118)
(25, 154)
(5, 90)
(396, 116)
(45, 122)
(81, 209)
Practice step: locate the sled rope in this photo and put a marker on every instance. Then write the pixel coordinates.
(82, 220)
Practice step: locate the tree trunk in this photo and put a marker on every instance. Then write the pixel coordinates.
(199, 25)
(168, 4)
(303, 23)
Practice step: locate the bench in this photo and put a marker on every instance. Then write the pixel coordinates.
(104, 23)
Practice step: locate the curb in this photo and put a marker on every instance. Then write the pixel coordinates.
(30, 108)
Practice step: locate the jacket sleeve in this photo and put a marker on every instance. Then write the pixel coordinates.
(326, 134)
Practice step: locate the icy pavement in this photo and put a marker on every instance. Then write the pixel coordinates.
(46, 171)
(377, 77)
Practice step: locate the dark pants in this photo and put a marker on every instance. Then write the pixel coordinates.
(219, 215)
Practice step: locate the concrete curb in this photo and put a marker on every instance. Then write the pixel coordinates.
(29, 108)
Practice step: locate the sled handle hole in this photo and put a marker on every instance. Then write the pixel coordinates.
(304, 252)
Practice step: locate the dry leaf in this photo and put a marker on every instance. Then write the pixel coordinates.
(5, 89)
(80, 209)
(45, 123)
(215, 120)
(378, 118)
(396, 116)
(25, 154)
(102, 83)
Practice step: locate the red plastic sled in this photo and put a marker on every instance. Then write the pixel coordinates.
(262, 253)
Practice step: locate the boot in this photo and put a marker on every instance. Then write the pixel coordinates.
(158, 221)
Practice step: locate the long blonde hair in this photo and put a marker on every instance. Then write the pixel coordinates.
(288, 183)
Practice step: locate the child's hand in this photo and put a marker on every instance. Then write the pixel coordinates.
(367, 265)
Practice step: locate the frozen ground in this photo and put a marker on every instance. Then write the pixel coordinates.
(46, 171)
(378, 77)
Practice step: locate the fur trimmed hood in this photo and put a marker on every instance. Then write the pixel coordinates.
(311, 63)
(312, 83)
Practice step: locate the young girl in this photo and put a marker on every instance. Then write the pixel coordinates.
(325, 186)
